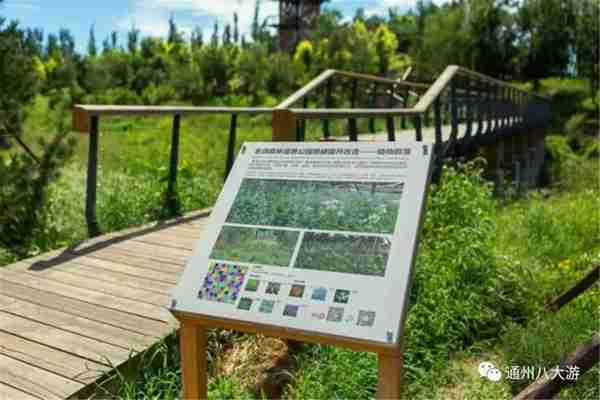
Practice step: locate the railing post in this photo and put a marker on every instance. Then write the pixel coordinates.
(404, 105)
(353, 130)
(352, 125)
(92, 177)
(284, 125)
(418, 130)
(453, 116)
(391, 128)
(328, 104)
(302, 124)
(374, 105)
(467, 140)
(172, 201)
(231, 145)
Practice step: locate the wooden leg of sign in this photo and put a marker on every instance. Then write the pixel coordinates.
(390, 373)
(192, 343)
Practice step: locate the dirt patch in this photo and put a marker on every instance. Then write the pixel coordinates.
(261, 364)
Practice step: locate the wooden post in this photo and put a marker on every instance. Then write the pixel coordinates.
(192, 344)
(171, 203)
(328, 104)
(390, 376)
(231, 145)
(284, 125)
(92, 177)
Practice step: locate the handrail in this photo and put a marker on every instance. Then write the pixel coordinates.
(86, 118)
(478, 109)
(329, 74)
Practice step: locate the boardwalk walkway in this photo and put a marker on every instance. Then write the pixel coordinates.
(67, 316)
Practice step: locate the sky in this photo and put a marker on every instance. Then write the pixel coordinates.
(151, 16)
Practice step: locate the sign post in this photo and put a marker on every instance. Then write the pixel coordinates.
(312, 242)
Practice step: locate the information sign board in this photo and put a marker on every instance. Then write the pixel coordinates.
(317, 237)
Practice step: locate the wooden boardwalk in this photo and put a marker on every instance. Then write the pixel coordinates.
(68, 317)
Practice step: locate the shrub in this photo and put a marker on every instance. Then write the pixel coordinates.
(158, 94)
(453, 300)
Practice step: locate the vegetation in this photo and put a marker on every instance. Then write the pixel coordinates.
(485, 268)
(362, 255)
(347, 206)
(253, 245)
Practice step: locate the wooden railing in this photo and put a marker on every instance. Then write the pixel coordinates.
(86, 118)
(482, 108)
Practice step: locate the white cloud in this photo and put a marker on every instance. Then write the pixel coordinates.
(151, 16)
(21, 5)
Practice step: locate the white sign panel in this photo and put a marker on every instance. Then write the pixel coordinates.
(319, 237)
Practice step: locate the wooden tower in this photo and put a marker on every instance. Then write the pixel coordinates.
(296, 18)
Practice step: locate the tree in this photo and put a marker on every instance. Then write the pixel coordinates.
(227, 35)
(255, 31)
(133, 39)
(114, 40)
(546, 37)
(67, 43)
(52, 47)
(214, 40)
(236, 29)
(92, 49)
(24, 177)
(174, 36)
(197, 38)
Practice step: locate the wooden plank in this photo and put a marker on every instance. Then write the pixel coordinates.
(119, 277)
(90, 349)
(152, 252)
(100, 299)
(79, 325)
(95, 285)
(11, 393)
(166, 278)
(118, 318)
(169, 242)
(44, 357)
(128, 258)
(35, 381)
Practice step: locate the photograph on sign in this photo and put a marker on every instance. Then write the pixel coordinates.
(318, 237)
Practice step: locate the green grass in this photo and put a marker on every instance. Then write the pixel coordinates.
(484, 270)
(252, 245)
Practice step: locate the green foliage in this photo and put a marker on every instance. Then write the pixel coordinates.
(158, 94)
(547, 339)
(329, 372)
(455, 299)
(261, 246)
(346, 206)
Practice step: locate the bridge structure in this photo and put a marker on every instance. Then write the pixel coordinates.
(69, 317)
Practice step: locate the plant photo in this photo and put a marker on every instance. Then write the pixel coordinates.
(341, 206)
(349, 254)
(255, 245)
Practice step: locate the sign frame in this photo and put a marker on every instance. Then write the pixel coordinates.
(193, 341)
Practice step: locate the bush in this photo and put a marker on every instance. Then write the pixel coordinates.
(158, 94)
(453, 299)
(459, 296)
